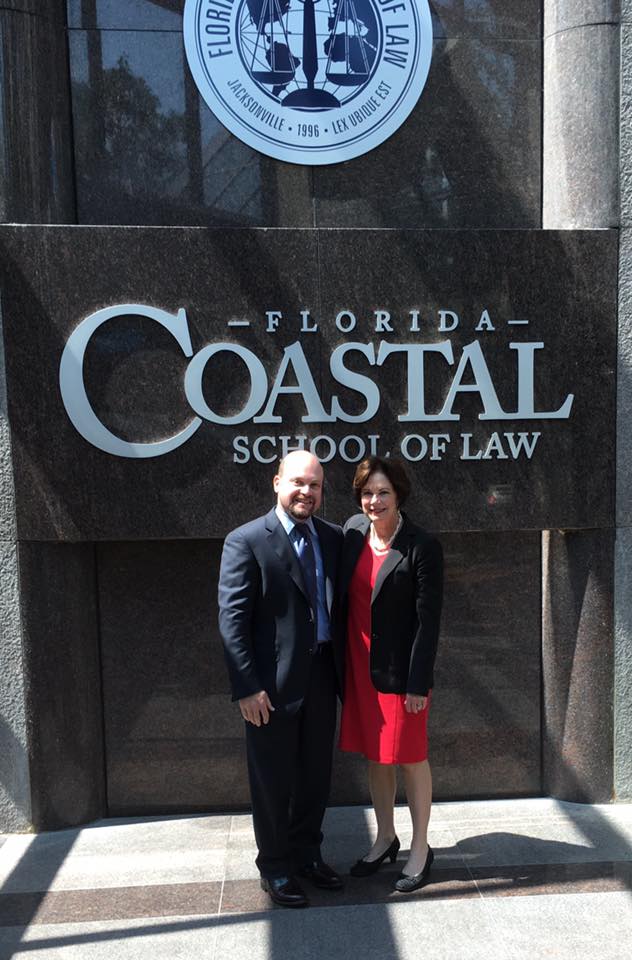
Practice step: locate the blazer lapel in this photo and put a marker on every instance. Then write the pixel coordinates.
(281, 545)
(394, 557)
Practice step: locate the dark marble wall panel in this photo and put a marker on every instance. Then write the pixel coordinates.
(173, 738)
(63, 683)
(134, 372)
(149, 151)
(369, 270)
(217, 276)
(485, 719)
(36, 182)
(468, 155)
(175, 741)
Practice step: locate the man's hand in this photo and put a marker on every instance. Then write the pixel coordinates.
(257, 708)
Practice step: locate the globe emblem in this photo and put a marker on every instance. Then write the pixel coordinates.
(309, 54)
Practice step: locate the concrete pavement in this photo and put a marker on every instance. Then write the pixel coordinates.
(512, 879)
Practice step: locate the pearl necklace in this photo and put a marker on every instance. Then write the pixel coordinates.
(384, 545)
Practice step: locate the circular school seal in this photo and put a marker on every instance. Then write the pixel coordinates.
(309, 81)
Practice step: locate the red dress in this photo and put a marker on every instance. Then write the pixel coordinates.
(373, 723)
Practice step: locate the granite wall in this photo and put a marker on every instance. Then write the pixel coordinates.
(36, 187)
(580, 190)
(109, 564)
(623, 564)
(172, 738)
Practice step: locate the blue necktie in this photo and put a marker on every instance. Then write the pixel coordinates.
(308, 565)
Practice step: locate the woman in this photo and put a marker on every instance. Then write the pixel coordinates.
(392, 579)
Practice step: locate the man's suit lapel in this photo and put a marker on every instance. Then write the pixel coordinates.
(280, 543)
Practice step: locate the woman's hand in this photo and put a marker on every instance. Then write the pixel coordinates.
(414, 703)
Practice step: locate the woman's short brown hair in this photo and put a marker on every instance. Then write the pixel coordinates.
(393, 470)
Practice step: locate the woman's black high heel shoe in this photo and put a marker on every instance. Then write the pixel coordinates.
(407, 884)
(364, 868)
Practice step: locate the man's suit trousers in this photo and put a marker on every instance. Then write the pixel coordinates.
(289, 768)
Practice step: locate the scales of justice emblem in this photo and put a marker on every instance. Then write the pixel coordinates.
(309, 81)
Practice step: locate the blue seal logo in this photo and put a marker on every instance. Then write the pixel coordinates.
(309, 81)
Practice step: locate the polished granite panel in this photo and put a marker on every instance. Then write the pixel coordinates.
(36, 183)
(149, 151)
(577, 664)
(485, 719)
(484, 728)
(68, 489)
(563, 285)
(174, 741)
(118, 903)
(62, 673)
(245, 896)
(468, 155)
(80, 492)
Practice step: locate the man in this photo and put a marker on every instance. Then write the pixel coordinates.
(276, 589)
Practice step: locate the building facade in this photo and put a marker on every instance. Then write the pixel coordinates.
(179, 309)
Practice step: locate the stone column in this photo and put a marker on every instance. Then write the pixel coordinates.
(15, 786)
(580, 139)
(36, 169)
(623, 555)
(580, 179)
(36, 186)
(577, 664)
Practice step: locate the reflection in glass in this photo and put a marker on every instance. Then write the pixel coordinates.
(126, 14)
(468, 155)
(510, 19)
(147, 149)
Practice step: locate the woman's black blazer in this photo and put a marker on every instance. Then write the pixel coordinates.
(405, 605)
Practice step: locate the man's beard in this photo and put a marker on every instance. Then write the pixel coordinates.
(300, 510)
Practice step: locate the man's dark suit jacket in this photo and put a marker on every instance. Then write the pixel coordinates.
(264, 611)
(405, 605)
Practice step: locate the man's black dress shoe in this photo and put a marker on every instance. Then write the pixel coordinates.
(365, 868)
(407, 884)
(321, 875)
(284, 891)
